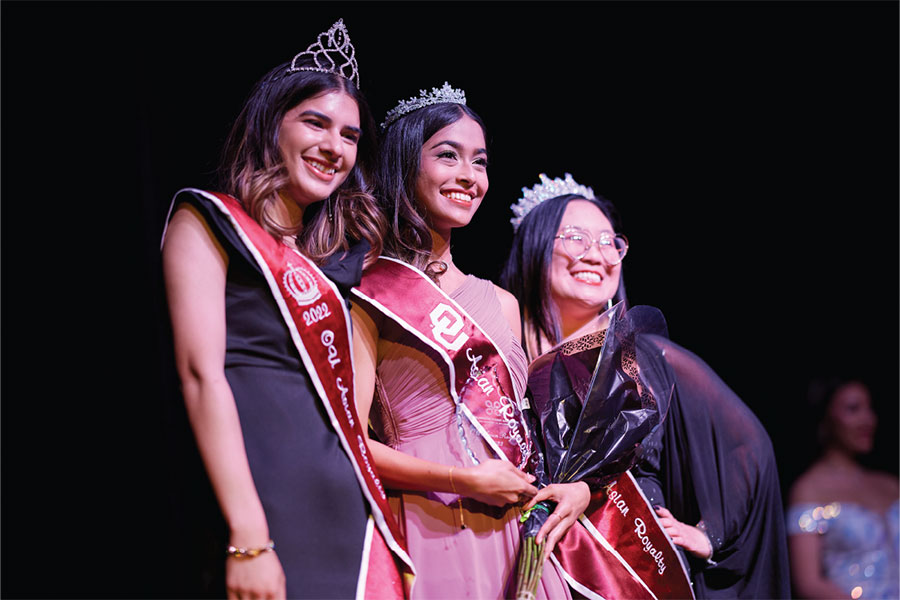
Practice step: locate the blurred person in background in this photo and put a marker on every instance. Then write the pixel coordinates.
(842, 517)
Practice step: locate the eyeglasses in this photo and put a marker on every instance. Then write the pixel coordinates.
(577, 243)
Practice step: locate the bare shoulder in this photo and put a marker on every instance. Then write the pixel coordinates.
(506, 298)
(809, 487)
(363, 322)
(189, 239)
(185, 218)
(886, 481)
(510, 307)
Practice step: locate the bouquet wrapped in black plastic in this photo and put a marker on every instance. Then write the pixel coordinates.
(594, 401)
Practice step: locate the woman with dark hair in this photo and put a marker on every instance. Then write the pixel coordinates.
(257, 279)
(440, 370)
(527, 273)
(709, 469)
(842, 517)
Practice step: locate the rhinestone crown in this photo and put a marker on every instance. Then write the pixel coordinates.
(548, 188)
(444, 94)
(331, 53)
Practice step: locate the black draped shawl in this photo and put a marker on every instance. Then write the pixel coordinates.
(710, 460)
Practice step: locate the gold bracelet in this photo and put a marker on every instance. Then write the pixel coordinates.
(241, 553)
(462, 521)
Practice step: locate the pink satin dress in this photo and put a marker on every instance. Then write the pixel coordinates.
(415, 414)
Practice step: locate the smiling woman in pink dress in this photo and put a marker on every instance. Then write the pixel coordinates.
(438, 360)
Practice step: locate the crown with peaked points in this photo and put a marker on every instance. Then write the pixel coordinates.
(546, 189)
(444, 94)
(331, 53)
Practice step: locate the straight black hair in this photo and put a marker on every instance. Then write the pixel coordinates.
(527, 271)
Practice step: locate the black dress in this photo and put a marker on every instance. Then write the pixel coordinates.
(712, 460)
(315, 509)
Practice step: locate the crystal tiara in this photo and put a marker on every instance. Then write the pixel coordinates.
(444, 94)
(336, 55)
(548, 188)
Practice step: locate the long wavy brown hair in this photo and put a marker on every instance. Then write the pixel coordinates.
(252, 167)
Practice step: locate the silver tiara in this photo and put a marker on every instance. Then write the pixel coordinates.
(548, 188)
(445, 94)
(337, 55)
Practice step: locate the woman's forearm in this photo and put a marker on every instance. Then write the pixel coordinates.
(402, 471)
(495, 482)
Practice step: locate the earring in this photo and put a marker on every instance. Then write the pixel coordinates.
(609, 304)
(329, 209)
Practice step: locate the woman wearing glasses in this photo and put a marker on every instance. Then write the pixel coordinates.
(565, 266)
(709, 470)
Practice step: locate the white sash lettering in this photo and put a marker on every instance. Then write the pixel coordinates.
(640, 528)
(328, 342)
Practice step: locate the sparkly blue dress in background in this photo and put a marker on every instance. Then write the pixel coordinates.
(860, 547)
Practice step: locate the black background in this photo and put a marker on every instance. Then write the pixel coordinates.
(752, 149)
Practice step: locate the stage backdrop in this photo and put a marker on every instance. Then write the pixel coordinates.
(752, 149)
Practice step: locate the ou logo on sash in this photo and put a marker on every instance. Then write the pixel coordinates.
(446, 327)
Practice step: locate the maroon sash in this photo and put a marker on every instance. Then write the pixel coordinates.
(620, 550)
(319, 324)
(476, 370)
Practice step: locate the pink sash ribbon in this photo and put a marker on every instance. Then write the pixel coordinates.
(473, 364)
(619, 550)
